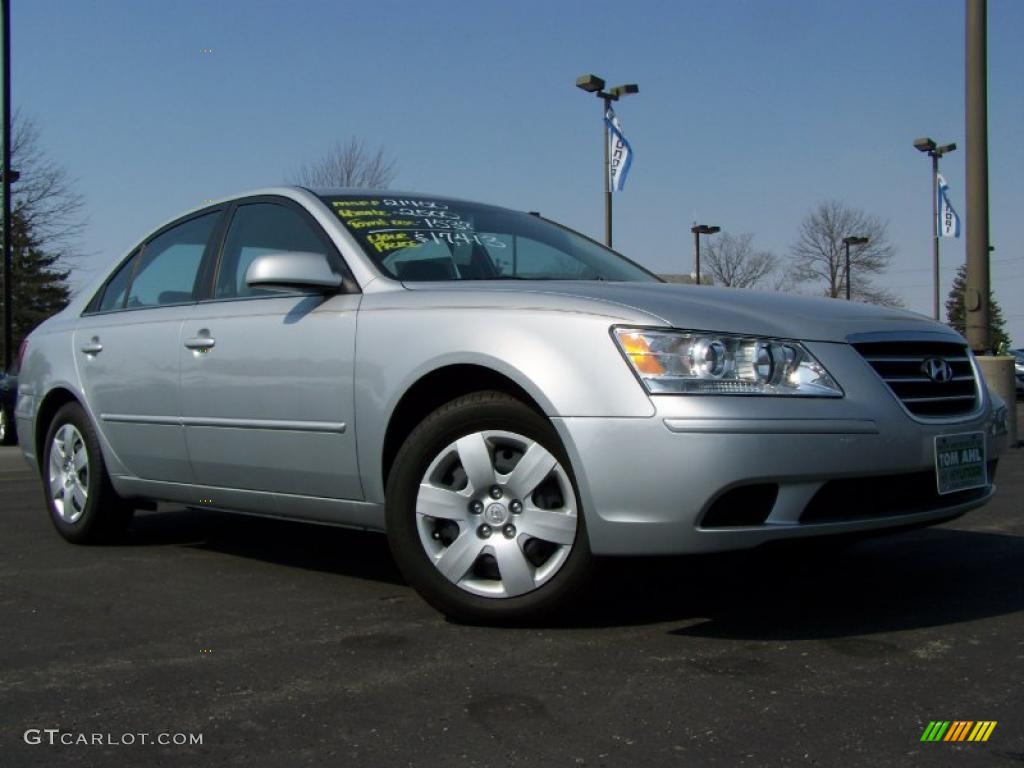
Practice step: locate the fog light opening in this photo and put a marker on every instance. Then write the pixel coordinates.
(745, 506)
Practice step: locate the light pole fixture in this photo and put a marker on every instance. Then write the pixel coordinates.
(595, 85)
(848, 241)
(698, 230)
(934, 151)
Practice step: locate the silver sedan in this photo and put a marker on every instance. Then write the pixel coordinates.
(502, 396)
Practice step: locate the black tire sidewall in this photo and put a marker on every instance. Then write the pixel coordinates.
(466, 415)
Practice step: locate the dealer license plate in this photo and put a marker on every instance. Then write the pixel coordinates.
(960, 462)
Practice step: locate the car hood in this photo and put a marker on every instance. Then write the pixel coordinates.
(728, 310)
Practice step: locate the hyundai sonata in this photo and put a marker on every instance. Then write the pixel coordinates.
(502, 396)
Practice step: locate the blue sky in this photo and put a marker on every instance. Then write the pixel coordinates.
(750, 112)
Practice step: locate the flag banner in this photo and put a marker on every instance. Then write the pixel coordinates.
(949, 222)
(620, 154)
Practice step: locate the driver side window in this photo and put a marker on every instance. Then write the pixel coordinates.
(258, 229)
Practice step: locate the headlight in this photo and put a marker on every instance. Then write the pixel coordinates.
(698, 362)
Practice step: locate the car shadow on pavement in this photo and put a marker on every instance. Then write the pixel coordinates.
(791, 591)
(312, 547)
(815, 590)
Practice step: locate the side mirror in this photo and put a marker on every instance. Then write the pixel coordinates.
(294, 271)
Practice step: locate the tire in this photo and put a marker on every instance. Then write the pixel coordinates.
(7, 434)
(83, 506)
(458, 529)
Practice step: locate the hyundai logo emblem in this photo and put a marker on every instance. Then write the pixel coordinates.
(495, 513)
(938, 370)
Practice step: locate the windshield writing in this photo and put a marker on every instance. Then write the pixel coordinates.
(415, 239)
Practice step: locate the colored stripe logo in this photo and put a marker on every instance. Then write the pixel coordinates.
(958, 730)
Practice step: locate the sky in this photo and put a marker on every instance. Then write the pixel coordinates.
(750, 112)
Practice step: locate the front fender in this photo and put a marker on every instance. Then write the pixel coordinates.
(565, 360)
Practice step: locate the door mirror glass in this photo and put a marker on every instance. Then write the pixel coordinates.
(293, 271)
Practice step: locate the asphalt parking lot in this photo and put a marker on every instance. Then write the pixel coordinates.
(285, 644)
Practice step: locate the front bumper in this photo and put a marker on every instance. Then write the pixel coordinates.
(647, 484)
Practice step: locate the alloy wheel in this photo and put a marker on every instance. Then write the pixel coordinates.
(69, 473)
(496, 514)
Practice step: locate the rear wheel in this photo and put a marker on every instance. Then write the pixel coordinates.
(82, 503)
(483, 514)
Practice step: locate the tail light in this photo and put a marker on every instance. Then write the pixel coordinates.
(22, 349)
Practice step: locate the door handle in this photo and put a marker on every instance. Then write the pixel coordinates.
(93, 347)
(201, 343)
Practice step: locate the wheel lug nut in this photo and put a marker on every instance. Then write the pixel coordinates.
(435, 535)
(484, 531)
(496, 492)
(509, 530)
(476, 507)
(516, 507)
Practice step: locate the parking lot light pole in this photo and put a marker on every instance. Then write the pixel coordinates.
(848, 241)
(594, 84)
(698, 230)
(8, 177)
(934, 151)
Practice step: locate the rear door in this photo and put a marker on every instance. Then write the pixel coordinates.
(267, 377)
(126, 348)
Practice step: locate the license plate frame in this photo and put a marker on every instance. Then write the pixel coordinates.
(960, 462)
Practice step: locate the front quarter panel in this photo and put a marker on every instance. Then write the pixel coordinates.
(565, 360)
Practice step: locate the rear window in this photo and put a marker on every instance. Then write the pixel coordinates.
(116, 290)
(167, 269)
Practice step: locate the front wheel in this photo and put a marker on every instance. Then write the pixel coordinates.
(483, 515)
(83, 506)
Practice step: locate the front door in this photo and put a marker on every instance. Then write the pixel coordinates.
(267, 377)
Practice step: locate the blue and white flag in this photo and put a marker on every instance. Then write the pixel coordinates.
(620, 154)
(949, 222)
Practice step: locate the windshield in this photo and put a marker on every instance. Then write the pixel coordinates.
(417, 239)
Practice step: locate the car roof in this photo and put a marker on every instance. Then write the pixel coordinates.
(297, 192)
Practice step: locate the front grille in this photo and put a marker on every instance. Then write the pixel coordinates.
(901, 364)
(859, 498)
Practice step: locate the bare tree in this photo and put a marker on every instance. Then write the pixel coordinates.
(733, 261)
(46, 220)
(819, 255)
(348, 164)
(45, 201)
